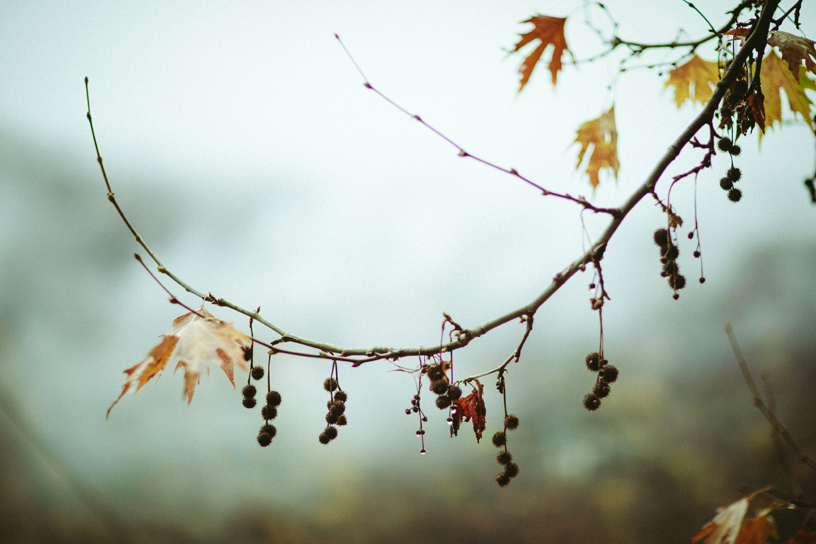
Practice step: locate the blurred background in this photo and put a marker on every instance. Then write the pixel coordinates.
(244, 149)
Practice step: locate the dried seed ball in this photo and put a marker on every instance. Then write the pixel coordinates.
(330, 384)
(247, 352)
(249, 391)
(269, 412)
(273, 398)
(331, 432)
(702, 280)
(443, 402)
(736, 150)
(511, 470)
(511, 422)
(601, 389)
(499, 439)
(691, 235)
(407, 411)
(734, 195)
(502, 479)
(734, 174)
(341, 396)
(454, 393)
(439, 386)
(504, 457)
(334, 418)
(609, 374)
(593, 361)
(670, 268)
(434, 372)
(264, 439)
(342, 420)
(249, 402)
(726, 184)
(725, 144)
(337, 408)
(677, 281)
(324, 438)
(675, 296)
(661, 237)
(671, 253)
(592, 402)
(257, 372)
(696, 254)
(270, 430)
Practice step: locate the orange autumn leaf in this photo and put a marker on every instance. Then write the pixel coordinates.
(777, 76)
(755, 530)
(794, 50)
(694, 79)
(602, 135)
(194, 341)
(549, 31)
(725, 526)
(471, 407)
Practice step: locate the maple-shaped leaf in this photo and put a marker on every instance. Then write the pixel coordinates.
(776, 76)
(471, 407)
(702, 74)
(794, 50)
(195, 340)
(725, 526)
(549, 31)
(602, 135)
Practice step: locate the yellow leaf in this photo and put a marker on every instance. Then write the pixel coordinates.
(550, 31)
(775, 77)
(602, 135)
(194, 341)
(702, 74)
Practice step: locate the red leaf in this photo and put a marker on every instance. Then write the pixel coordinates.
(471, 407)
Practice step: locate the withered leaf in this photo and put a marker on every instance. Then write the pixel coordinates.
(602, 135)
(194, 341)
(795, 49)
(549, 31)
(471, 407)
(725, 526)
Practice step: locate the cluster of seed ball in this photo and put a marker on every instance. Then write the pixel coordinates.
(607, 374)
(268, 412)
(447, 394)
(504, 457)
(734, 174)
(668, 258)
(336, 411)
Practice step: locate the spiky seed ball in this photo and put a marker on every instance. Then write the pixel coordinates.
(454, 392)
(736, 150)
(661, 237)
(342, 420)
(609, 374)
(331, 432)
(324, 438)
(439, 386)
(341, 396)
(504, 457)
(593, 361)
(670, 268)
(249, 391)
(443, 402)
(247, 352)
(592, 402)
(269, 412)
(330, 384)
(249, 402)
(273, 398)
(734, 174)
(725, 144)
(601, 389)
(734, 195)
(511, 422)
(257, 372)
(671, 253)
(502, 479)
(511, 470)
(677, 282)
(726, 184)
(270, 430)
(499, 439)
(332, 418)
(434, 372)
(337, 408)
(264, 439)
